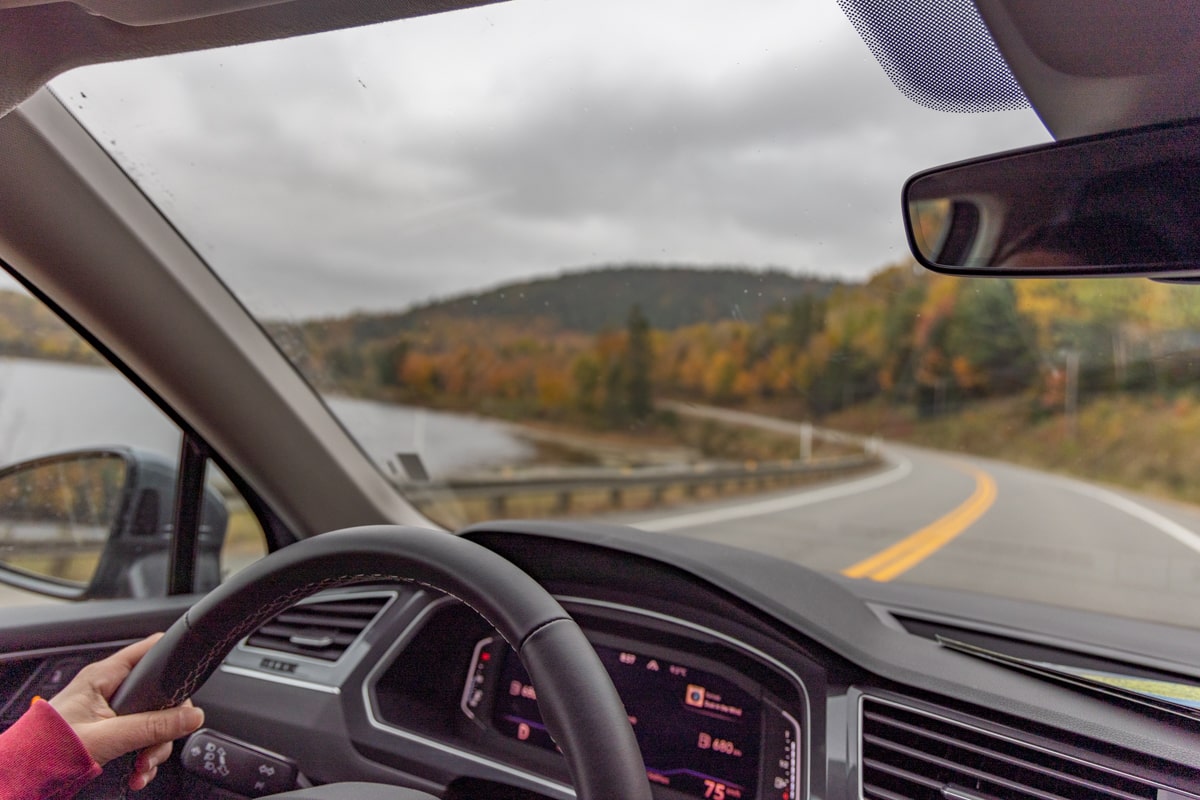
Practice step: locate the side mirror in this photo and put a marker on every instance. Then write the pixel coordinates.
(1121, 204)
(98, 524)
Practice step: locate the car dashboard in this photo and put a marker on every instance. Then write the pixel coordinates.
(707, 708)
(743, 677)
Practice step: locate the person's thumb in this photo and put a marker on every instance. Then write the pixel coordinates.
(116, 736)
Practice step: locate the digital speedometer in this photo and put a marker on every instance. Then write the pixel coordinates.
(701, 734)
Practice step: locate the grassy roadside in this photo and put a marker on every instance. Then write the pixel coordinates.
(1150, 444)
(666, 438)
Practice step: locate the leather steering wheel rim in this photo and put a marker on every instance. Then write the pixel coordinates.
(579, 705)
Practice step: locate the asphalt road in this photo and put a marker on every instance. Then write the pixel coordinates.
(966, 523)
(971, 523)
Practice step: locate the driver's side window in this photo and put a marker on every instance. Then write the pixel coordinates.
(88, 468)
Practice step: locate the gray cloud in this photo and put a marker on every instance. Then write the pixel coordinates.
(452, 153)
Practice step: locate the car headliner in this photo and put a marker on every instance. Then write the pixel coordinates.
(1087, 66)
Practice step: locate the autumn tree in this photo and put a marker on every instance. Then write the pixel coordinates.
(389, 362)
(586, 373)
(805, 319)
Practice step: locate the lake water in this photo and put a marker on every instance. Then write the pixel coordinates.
(47, 407)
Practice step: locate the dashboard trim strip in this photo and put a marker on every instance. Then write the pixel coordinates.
(405, 635)
(996, 734)
(270, 678)
(71, 649)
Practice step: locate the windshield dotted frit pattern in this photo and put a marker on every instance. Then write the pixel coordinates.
(940, 54)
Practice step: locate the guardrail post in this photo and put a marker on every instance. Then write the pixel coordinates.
(614, 497)
(563, 504)
(806, 441)
(497, 504)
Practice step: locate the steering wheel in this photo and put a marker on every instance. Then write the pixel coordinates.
(581, 709)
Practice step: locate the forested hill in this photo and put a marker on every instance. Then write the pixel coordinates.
(597, 299)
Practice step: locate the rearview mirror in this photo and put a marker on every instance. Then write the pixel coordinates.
(98, 523)
(1119, 204)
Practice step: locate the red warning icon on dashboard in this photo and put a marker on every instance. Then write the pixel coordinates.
(694, 695)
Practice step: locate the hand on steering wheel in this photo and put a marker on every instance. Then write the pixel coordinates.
(83, 704)
(582, 710)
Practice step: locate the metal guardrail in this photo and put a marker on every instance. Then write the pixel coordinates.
(52, 549)
(617, 483)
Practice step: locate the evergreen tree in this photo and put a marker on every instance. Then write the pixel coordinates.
(638, 363)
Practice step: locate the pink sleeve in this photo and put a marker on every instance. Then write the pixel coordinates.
(41, 758)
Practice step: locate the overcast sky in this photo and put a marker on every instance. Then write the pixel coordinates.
(375, 168)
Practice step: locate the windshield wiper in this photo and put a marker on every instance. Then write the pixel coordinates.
(1182, 699)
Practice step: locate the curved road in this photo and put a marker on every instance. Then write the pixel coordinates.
(960, 522)
(971, 523)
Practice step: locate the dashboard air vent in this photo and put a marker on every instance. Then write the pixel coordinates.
(322, 628)
(917, 756)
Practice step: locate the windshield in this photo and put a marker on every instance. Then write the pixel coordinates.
(645, 263)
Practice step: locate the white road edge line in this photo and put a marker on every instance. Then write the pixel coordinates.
(1170, 527)
(728, 513)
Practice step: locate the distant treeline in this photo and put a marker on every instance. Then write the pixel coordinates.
(596, 348)
(597, 299)
(906, 335)
(30, 330)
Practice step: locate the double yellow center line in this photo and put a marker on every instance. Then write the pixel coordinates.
(912, 550)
